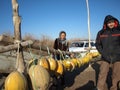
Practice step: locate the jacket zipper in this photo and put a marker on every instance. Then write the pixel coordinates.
(109, 38)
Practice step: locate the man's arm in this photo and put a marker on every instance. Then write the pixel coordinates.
(98, 43)
(55, 44)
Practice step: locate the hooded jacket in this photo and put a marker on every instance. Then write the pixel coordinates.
(108, 41)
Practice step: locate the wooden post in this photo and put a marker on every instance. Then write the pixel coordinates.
(20, 65)
(88, 12)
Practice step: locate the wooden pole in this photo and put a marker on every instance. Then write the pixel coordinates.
(88, 13)
(20, 65)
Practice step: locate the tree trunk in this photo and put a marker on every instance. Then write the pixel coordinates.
(20, 65)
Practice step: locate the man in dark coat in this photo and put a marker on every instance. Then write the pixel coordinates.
(61, 44)
(108, 45)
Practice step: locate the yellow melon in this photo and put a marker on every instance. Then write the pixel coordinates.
(87, 58)
(74, 60)
(79, 63)
(40, 77)
(73, 65)
(69, 66)
(53, 64)
(44, 63)
(60, 68)
(95, 54)
(16, 81)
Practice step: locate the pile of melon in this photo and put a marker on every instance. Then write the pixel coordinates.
(39, 71)
(69, 64)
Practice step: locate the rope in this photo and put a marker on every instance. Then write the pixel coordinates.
(55, 54)
(48, 50)
(29, 49)
(61, 54)
(18, 42)
(31, 54)
(40, 51)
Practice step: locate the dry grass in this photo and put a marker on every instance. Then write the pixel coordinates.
(46, 40)
(29, 36)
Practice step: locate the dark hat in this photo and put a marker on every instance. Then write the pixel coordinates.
(62, 32)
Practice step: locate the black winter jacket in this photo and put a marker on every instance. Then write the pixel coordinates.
(108, 41)
(62, 45)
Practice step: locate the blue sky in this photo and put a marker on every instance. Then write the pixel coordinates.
(49, 17)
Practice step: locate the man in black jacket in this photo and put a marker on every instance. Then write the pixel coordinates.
(61, 43)
(108, 45)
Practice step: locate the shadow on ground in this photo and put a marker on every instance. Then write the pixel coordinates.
(72, 79)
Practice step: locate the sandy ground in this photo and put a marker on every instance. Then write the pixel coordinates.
(83, 78)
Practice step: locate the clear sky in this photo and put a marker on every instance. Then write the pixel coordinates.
(49, 17)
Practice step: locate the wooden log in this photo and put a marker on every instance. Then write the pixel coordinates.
(15, 46)
(15, 7)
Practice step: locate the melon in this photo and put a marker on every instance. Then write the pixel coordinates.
(44, 63)
(53, 64)
(60, 68)
(40, 77)
(16, 81)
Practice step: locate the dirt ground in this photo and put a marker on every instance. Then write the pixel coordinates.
(83, 78)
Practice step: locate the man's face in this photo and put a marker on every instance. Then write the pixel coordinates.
(111, 24)
(62, 36)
